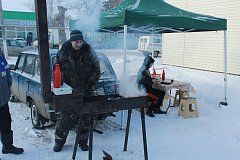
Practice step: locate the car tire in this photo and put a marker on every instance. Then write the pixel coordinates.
(35, 117)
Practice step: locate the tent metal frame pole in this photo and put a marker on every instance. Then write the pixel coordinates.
(225, 64)
(225, 70)
(152, 44)
(124, 67)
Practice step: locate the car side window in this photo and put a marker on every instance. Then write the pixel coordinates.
(105, 71)
(20, 63)
(37, 68)
(145, 40)
(29, 66)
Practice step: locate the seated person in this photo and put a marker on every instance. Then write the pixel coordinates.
(144, 81)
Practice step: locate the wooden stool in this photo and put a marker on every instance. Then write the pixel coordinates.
(178, 96)
(186, 108)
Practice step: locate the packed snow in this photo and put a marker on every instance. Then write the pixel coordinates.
(214, 135)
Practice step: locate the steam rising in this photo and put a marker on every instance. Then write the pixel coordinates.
(128, 85)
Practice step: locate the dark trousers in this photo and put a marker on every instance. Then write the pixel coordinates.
(5, 125)
(156, 96)
(5, 120)
(66, 121)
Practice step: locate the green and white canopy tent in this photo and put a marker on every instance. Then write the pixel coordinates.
(146, 15)
(157, 16)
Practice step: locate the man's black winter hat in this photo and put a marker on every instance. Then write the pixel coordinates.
(76, 35)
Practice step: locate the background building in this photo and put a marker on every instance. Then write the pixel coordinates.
(206, 50)
(19, 24)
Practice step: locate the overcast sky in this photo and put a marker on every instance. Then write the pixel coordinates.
(15, 5)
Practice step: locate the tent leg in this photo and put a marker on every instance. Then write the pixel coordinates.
(124, 67)
(225, 70)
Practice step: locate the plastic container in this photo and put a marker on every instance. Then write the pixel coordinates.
(64, 89)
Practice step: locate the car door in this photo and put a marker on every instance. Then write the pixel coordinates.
(36, 87)
(26, 77)
(15, 75)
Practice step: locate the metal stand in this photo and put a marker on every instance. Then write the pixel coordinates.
(91, 137)
(126, 135)
(76, 140)
(143, 132)
(91, 121)
(127, 129)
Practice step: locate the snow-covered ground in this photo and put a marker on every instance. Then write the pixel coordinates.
(212, 136)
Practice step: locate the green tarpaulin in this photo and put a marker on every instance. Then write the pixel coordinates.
(159, 16)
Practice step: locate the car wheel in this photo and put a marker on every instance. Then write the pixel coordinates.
(35, 117)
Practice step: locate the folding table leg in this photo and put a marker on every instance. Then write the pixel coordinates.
(127, 129)
(169, 103)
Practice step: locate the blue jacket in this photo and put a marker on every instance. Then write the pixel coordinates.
(5, 80)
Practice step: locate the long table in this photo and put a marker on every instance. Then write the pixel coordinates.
(168, 85)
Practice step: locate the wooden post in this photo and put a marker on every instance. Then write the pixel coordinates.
(43, 49)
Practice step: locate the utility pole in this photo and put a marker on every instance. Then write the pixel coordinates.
(3, 31)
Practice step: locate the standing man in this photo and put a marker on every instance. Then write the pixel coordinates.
(29, 39)
(81, 70)
(5, 117)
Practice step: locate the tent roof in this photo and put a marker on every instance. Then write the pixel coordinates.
(159, 17)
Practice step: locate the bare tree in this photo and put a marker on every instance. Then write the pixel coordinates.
(50, 13)
(87, 7)
(60, 22)
(30, 5)
(110, 4)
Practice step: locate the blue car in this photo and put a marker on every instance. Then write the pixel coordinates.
(26, 85)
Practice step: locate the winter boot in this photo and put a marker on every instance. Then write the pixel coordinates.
(60, 140)
(7, 141)
(150, 110)
(150, 114)
(59, 143)
(12, 149)
(57, 147)
(157, 110)
(83, 145)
